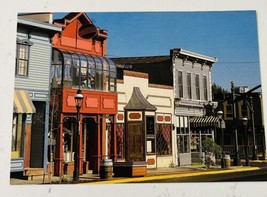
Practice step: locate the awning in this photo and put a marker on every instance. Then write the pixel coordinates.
(22, 102)
(206, 121)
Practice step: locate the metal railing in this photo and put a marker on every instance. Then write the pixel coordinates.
(230, 149)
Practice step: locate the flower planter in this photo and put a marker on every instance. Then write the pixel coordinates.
(130, 169)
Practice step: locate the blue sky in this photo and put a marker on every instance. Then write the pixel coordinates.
(230, 36)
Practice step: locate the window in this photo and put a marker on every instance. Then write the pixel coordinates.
(205, 88)
(22, 59)
(229, 110)
(189, 90)
(83, 70)
(183, 144)
(91, 72)
(197, 87)
(112, 76)
(69, 140)
(244, 110)
(180, 84)
(18, 135)
(56, 69)
(150, 131)
(150, 125)
(164, 139)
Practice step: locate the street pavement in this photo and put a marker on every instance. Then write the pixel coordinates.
(152, 175)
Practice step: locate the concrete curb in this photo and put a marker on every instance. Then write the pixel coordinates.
(174, 175)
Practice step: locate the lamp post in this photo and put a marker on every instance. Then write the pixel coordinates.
(220, 116)
(245, 122)
(254, 155)
(78, 100)
(236, 159)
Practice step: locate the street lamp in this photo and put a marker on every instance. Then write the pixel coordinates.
(254, 155)
(78, 101)
(236, 161)
(245, 122)
(220, 116)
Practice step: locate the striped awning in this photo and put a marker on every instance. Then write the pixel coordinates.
(22, 102)
(206, 121)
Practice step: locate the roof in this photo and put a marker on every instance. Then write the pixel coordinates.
(196, 56)
(141, 60)
(139, 102)
(38, 24)
(72, 16)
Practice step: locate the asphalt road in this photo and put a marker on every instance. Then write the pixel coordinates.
(257, 175)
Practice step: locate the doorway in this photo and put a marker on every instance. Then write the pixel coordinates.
(91, 152)
(37, 136)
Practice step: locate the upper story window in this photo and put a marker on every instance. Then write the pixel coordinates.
(229, 110)
(180, 84)
(22, 59)
(85, 71)
(197, 87)
(189, 86)
(205, 88)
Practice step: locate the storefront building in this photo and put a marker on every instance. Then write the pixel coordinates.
(192, 92)
(145, 112)
(31, 94)
(79, 62)
(188, 76)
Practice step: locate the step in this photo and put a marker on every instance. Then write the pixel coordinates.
(34, 173)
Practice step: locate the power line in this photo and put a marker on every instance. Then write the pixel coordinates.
(237, 62)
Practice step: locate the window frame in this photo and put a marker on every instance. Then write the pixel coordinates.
(197, 86)
(101, 72)
(180, 84)
(205, 87)
(25, 59)
(189, 85)
(18, 134)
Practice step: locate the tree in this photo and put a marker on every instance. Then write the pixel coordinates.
(211, 150)
(216, 89)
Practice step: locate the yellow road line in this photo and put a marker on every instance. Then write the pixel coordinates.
(170, 176)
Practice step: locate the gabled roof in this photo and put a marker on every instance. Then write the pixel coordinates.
(85, 30)
(71, 17)
(139, 102)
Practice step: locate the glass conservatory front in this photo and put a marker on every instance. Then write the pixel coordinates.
(74, 70)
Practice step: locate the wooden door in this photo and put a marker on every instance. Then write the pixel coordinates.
(135, 142)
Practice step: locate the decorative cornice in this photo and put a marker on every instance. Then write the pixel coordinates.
(135, 74)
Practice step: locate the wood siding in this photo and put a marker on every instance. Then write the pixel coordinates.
(39, 65)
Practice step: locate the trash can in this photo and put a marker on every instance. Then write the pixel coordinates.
(106, 169)
(227, 161)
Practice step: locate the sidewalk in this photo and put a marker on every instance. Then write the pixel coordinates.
(152, 174)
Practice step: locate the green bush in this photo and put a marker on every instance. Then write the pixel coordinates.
(211, 149)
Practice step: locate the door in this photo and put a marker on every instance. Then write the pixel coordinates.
(91, 144)
(37, 136)
(135, 142)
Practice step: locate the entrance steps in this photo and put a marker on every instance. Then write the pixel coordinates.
(34, 173)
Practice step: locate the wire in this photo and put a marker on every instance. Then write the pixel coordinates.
(237, 62)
